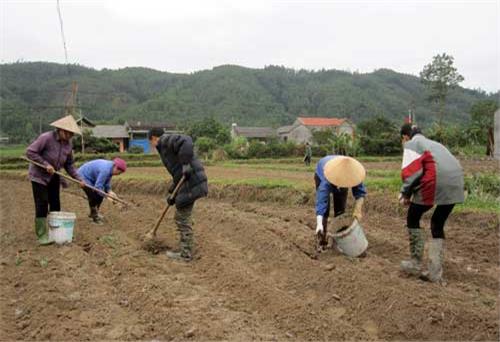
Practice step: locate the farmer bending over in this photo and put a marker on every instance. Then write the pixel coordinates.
(334, 174)
(98, 173)
(54, 150)
(431, 176)
(176, 153)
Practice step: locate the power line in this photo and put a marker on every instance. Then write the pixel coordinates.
(62, 32)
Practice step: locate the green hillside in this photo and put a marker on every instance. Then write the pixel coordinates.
(32, 93)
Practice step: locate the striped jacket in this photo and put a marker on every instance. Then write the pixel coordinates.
(430, 173)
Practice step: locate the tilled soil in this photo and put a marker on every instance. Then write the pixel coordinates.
(255, 276)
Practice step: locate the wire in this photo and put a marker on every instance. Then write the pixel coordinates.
(62, 32)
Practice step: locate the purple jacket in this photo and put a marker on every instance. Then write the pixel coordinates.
(47, 149)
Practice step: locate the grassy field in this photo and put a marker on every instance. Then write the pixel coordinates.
(383, 174)
(381, 177)
(12, 150)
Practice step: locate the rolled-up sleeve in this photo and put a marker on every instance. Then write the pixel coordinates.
(359, 191)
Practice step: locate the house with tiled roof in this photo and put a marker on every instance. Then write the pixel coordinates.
(253, 133)
(301, 130)
(118, 134)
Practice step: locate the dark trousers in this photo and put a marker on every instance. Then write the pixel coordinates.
(339, 203)
(94, 198)
(46, 197)
(438, 218)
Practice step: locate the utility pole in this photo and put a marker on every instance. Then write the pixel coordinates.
(70, 109)
(81, 129)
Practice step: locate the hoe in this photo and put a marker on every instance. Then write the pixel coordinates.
(150, 235)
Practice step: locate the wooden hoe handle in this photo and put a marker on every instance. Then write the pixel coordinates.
(105, 194)
(152, 232)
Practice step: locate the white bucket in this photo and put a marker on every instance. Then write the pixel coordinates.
(61, 225)
(351, 240)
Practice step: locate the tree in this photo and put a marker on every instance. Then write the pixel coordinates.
(439, 77)
(482, 113)
(379, 136)
(209, 128)
(93, 144)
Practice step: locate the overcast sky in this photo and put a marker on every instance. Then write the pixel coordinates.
(190, 35)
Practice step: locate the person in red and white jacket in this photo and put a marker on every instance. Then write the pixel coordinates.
(431, 176)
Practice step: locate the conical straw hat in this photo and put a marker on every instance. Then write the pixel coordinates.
(67, 123)
(344, 172)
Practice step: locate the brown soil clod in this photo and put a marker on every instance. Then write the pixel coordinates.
(155, 246)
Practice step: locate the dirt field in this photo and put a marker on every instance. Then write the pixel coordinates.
(253, 277)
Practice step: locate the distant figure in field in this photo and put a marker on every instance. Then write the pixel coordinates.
(98, 173)
(431, 176)
(308, 154)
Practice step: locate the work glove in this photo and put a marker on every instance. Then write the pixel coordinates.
(403, 200)
(319, 225)
(112, 197)
(187, 170)
(357, 213)
(170, 200)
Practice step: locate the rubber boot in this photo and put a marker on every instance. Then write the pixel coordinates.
(94, 215)
(414, 265)
(101, 216)
(436, 257)
(41, 231)
(176, 255)
(186, 247)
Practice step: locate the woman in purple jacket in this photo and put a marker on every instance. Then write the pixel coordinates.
(54, 150)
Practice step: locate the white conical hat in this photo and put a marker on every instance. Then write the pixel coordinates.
(344, 172)
(67, 123)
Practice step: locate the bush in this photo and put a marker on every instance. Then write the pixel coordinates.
(483, 184)
(237, 149)
(379, 136)
(209, 128)
(93, 144)
(135, 149)
(204, 144)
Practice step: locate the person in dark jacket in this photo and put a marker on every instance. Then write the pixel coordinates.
(98, 173)
(176, 153)
(431, 176)
(308, 154)
(54, 150)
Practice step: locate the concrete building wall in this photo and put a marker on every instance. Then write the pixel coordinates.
(345, 128)
(300, 134)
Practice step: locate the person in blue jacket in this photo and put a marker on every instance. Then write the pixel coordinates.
(98, 173)
(334, 175)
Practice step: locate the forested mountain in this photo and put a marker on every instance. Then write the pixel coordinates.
(33, 93)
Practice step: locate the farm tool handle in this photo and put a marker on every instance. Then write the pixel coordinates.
(78, 182)
(152, 232)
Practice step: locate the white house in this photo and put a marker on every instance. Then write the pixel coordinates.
(302, 128)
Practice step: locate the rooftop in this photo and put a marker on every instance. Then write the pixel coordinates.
(138, 125)
(110, 131)
(321, 121)
(255, 132)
